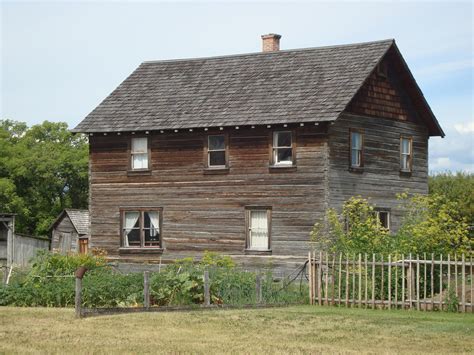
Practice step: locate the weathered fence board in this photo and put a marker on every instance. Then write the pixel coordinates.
(417, 282)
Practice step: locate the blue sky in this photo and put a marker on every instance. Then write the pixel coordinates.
(60, 59)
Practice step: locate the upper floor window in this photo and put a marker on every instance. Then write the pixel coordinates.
(141, 228)
(139, 153)
(406, 153)
(282, 148)
(357, 148)
(216, 151)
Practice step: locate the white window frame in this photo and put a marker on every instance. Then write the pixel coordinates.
(360, 150)
(408, 155)
(275, 149)
(134, 153)
(209, 151)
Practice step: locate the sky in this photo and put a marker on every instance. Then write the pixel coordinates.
(60, 59)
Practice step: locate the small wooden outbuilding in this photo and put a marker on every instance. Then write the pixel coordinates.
(70, 231)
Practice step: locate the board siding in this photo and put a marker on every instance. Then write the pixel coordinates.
(205, 211)
(380, 180)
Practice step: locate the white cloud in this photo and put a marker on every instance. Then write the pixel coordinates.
(464, 128)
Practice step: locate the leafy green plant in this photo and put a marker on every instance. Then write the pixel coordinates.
(452, 301)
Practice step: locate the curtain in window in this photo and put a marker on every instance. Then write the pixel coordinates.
(131, 219)
(140, 161)
(139, 145)
(155, 223)
(258, 230)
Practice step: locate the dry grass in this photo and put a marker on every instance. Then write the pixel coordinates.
(302, 329)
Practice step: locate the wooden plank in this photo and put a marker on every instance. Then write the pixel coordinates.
(403, 282)
(373, 281)
(360, 281)
(353, 302)
(449, 273)
(441, 282)
(333, 275)
(146, 289)
(432, 281)
(347, 280)
(456, 274)
(396, 283)
(463, 285)
(382, 284)
(320, 301)
(389, 281)
(310, 278)
(472, 288)
(424, 281)
(366, 294)
(339, 286)
(207, 295)
(410, 282)
(417, 282)
(326, 286)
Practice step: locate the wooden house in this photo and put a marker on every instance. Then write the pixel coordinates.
(70, 231)
(17, 249)
(242, 154)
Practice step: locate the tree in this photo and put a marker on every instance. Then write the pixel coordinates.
(43, 169)
(431, 224)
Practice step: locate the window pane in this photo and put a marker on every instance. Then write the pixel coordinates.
(406, 146)
(404, 165)
(140, 161)
(217, 158)
(216, 142)
(356, 139)
(133, 237)
(139, 145)
(383, 219)
(258, 230)
(284, 156)
(283, 139)
(355, 157)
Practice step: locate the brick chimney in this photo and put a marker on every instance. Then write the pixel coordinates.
(270, 42)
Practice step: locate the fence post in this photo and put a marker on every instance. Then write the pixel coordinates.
(146, 290)
(258, 288)
(5, 274)
(310, 277)
(463, 285)
(207, 296)
(78, 298)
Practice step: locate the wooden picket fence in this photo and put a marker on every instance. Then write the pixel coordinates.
(403, 282)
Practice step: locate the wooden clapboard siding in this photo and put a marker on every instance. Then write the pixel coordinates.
(64, 226)
(380, 180)
(203, 211)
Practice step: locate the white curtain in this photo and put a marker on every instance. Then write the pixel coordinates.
(140, 161)
(131, 219)
(258, 230)
(139, 145)
(155, 223)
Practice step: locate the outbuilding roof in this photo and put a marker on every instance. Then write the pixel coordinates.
(288, 86)
(79, 219)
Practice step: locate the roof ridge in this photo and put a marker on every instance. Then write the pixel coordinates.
(388, 40)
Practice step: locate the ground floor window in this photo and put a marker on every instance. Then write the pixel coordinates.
(141, 227)
(383, 217)
(258, 220)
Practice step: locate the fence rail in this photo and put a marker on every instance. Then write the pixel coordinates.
(394, 281)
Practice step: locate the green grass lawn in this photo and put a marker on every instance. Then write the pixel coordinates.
(298, 329)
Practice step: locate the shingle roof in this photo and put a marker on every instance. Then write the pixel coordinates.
(305, 85)
(79, 218)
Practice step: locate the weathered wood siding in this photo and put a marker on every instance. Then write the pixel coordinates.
(380, 179)
(65, 229)
(206, 211)
(25, 248)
